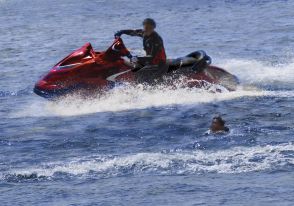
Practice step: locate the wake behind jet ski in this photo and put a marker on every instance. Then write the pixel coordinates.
(87, 71)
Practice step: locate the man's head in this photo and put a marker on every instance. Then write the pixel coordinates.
(149, 26)
(217, 124)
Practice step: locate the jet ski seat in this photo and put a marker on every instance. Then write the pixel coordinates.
(198, 60)
(182, 61)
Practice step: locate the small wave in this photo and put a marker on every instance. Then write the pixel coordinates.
(255, 72)
(23, 177)
(234, 160)
(16, 93)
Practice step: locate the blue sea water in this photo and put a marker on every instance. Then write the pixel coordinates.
(139, 146)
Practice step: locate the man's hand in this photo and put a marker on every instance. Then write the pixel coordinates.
(117, 34)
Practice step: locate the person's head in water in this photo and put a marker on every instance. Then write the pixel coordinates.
(218, 125)
(149, 26)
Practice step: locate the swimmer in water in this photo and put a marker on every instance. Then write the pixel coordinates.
(218, 126)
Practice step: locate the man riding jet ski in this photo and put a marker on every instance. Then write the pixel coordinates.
(87, 72)
(153, 45)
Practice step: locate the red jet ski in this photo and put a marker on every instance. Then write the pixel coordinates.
(89, 71)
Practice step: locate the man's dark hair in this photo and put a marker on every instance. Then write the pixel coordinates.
(150, 21)
(220, 120)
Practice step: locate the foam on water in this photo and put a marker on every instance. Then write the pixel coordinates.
(139, 98)
(135, 97)
(256, 72)
(127, 97)
(233, 160)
